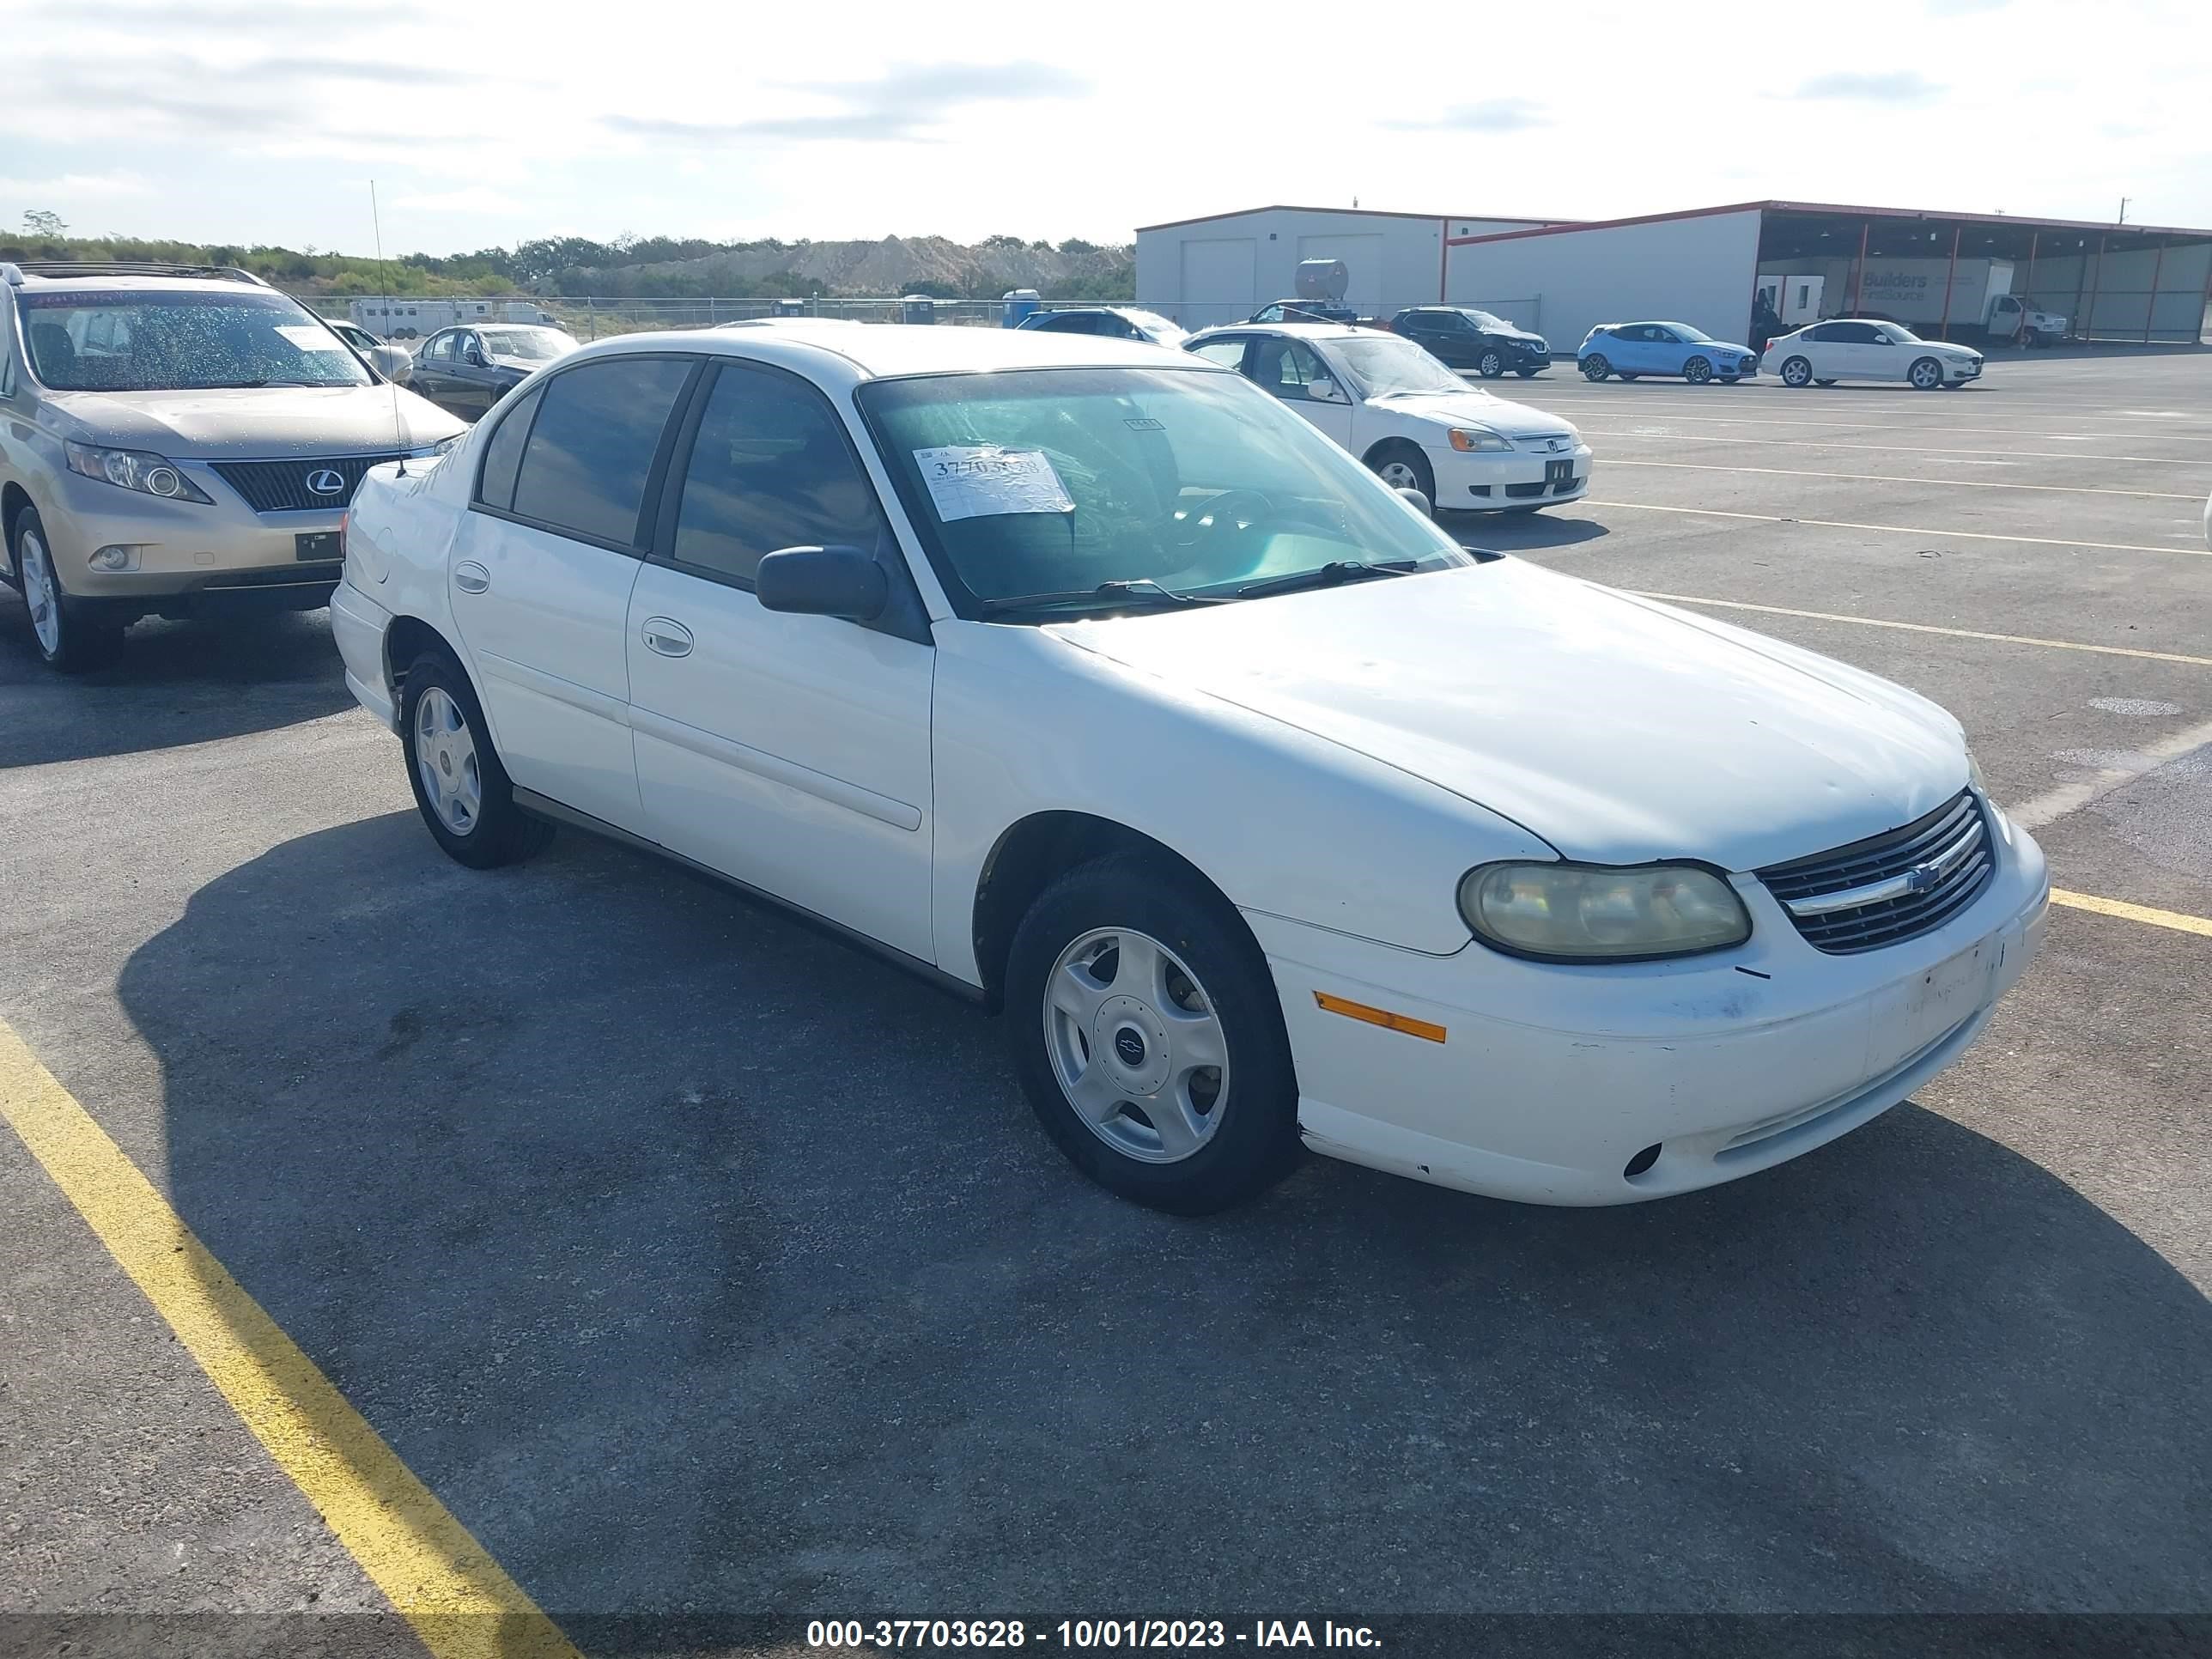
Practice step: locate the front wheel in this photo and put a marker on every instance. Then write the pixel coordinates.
(460, 787)
(1402, 466)
(1697, 371)
(1925, 375)
(1595, 368)
(1147, 1034)
(69, 641)
(1526, 374)
(1491, 364)
(1797, 371)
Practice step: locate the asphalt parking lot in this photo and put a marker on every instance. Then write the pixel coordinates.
(706, 1270)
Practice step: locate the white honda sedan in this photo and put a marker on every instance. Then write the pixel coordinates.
(1856, 349)
(1086, 681)
(1410, 418)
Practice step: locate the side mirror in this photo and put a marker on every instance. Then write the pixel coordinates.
(475, 358)
(1325, 391)
(1418, 502)
(823, 581)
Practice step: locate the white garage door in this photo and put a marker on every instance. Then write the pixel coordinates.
(1217, 282)
(1362, 262)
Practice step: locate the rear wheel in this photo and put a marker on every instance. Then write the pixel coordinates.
(1798, 371)
(461, 788)
(1697, 371)
(1491, 364)
(1402, 466)
(1596, 368)
(1147, 1034)
(70, 640)
(1925, 375)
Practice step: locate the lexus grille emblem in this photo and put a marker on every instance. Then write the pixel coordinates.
(326, 480)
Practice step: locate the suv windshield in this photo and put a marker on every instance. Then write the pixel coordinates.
(113, 340)
(1057, 481)
(1386, 365)
(527, 345)
(1483, 321)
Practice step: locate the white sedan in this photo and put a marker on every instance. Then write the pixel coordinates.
(1856, 349)
(1083, 679)
(1412, 419)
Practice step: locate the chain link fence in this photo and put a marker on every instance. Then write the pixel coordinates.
(406, 318)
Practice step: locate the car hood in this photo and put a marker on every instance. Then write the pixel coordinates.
(1618, 730)
(1479, 408)
(271, 422)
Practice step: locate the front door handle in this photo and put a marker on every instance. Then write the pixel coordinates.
(471, 577)
(667, 637)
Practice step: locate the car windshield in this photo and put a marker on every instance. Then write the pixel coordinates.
(1057, 481)
(1157, 325)
(119, 341)
(527, 345)
(1897, 334)
(1689, 333)
(1387, 366)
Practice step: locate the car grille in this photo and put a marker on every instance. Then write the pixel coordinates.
(1890, 887)
(281, 486)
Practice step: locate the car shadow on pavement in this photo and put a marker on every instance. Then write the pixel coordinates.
(704, 1267)
(1516, 532)
(173, 683)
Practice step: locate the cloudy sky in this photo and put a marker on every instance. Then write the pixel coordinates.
(485, 121)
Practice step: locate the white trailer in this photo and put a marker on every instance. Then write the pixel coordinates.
(1968, 296)
(390, 319)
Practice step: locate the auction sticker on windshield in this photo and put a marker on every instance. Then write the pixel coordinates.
(308, 338)
(973, 481)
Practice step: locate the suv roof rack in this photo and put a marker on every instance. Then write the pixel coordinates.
(12, 274)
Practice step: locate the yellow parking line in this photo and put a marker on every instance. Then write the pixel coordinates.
(441, 1580)
(1929, 628)
(1891, 477)
(1893, 529)
(2105, 906)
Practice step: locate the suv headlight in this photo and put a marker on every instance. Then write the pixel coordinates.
(1478, 440)
(134, 469)
(443, 447)
(1592, 913)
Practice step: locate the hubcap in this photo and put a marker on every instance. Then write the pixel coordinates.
(1796, 373)
(1699, 369)
(1136, 1045)
(39, 593)
(446, 761)
(1399, 475)
(1493, 363)
(1923, 375)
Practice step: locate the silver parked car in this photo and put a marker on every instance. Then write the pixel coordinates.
(180, 440)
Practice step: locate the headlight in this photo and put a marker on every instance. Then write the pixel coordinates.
(1589, 913)
(134, 469)
(443, 447)
(1477, 440)
(1974, 776)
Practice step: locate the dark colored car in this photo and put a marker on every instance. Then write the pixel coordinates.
(1464, 338)
(468, 370)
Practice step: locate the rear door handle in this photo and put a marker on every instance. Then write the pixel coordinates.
(471, 577)
(667, 637)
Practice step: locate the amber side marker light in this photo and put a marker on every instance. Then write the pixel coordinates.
(1382, 1017)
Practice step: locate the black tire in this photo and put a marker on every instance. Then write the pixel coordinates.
(1595, 368)
(1256, 1141)
(1631, 377)
(501, 832)
(1730, 379)
(1824, 383)
(1399, 453)
(1491, 364)
(1919, 376)
(1527, 374)
(76, 639)
(1797, 371)
(1697, 370)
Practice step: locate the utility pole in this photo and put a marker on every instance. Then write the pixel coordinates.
(2123, 219)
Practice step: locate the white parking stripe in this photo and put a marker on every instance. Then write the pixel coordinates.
(1913, 449)
(2076, 436)
(1929, 628)
(1887, 529)
(1884, 477)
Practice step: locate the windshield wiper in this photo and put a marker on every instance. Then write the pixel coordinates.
(1141, 592)
(1327, 575)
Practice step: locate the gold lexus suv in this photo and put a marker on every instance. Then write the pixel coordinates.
(180, 440)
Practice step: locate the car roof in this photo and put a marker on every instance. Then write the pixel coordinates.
(34, 283)
(878, 350)
(1295, 331)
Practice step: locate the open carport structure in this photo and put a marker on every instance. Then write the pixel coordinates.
(2145, 283)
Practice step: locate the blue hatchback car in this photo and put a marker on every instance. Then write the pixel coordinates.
(1634, 350)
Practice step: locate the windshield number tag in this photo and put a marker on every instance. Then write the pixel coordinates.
(309, 337)
(973, 481)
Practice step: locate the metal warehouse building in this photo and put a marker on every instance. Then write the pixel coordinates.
(1937, 271)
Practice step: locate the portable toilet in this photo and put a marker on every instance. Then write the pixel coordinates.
(1021, 302)
(918, 308)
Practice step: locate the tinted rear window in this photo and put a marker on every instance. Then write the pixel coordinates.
(503, 454)
(593, 444)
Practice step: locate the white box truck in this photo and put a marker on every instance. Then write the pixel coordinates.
(1975, 294)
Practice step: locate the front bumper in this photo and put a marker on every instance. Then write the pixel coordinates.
(1962, 371)
(1514, 477)
(188, 559)
(1551, 1079)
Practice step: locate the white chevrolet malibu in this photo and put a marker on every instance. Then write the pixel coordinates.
(1086, 680)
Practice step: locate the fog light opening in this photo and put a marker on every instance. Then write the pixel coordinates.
(114, 558)
(1642, 1161)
